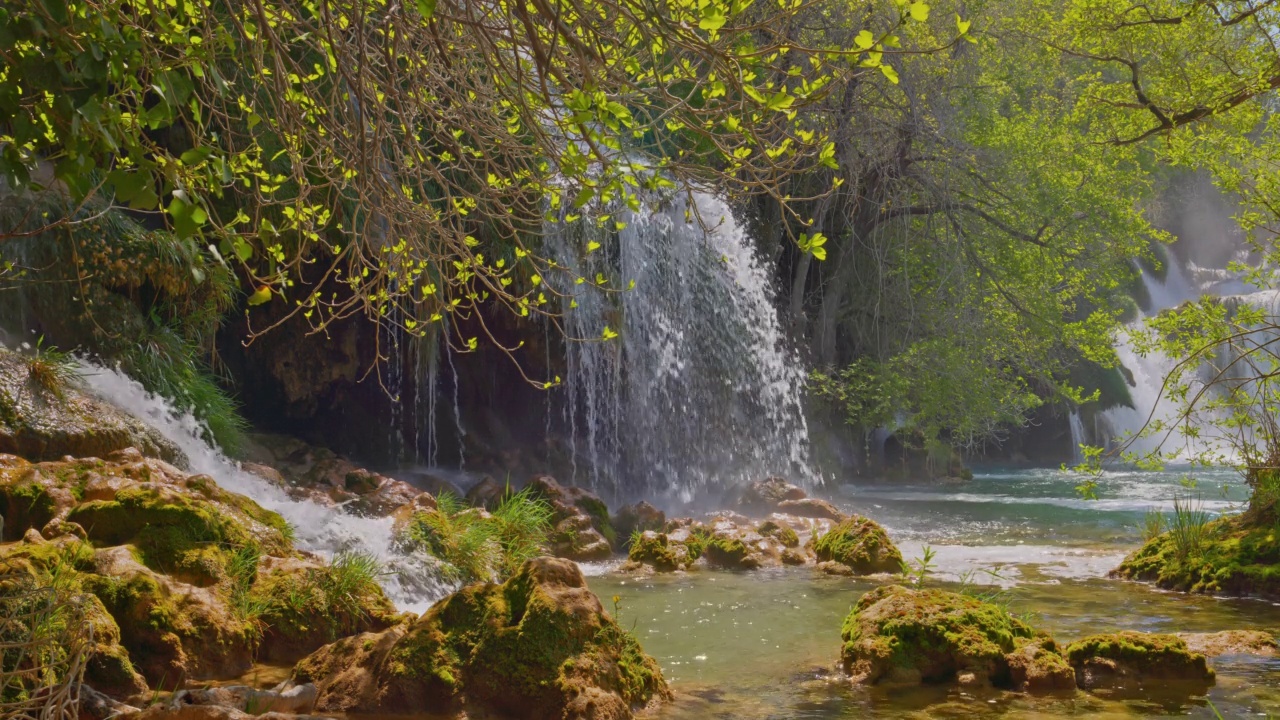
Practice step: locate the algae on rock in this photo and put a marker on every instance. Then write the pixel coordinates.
(859, 544)
(539, 646)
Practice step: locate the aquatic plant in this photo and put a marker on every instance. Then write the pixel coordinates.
(521, 524)
(1189, 526)
(917, 570)
(1154, 524)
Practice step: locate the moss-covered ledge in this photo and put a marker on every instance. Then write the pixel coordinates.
(1239, 556)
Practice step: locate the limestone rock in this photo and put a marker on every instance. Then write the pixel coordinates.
(1134, 661)
(764, 496)
(39, 423)
(539, 646)
(1231, 642)
(861, 545)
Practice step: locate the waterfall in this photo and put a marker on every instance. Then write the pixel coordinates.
(1181, 284)
(413, 582)
(1077, 436)
(701, 388)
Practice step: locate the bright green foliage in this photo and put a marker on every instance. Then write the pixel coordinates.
(479, 546)
(1233, 556)
(412, 161)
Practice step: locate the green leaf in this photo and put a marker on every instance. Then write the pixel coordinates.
(260, 296)
(427, 9)
(890, 73)
(919, 11)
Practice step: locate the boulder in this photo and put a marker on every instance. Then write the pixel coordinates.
(638, 517)
(658, 551)
(539, 646)
(811, 508)
(1231, 642)
(567, 502)
(907, 636)
(859, 544)
(295, 699)
(1238, 555)
(48, 423)
(576, 539)
(763, 496)
(1135, 661)
(486, 494)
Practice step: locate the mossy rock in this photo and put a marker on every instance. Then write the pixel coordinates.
(898, 634)
(1138, 661)
(655, 549)
(722, 550)
(539, 646)
(860, 544)
(783, 534)
(301, 610)
(1240, 556)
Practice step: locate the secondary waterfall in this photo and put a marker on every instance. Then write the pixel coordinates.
(413, 582)
(1181, 283)
(701, 388)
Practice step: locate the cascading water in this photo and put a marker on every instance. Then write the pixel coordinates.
(701, 388)
(413, 582)
(1077, 436)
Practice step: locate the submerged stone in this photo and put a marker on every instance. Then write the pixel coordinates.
(1132, 661)
(539, 646)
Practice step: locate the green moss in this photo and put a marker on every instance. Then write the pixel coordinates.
(860, 544)
(930, 634)
(599, 514)
(781, 533)
(1150, 655)
(26, 504)
(1238, 557)
(654, 549)
(728, 552)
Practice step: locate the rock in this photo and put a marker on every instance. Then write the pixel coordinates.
(900, 635)
(638, 517)
(861, 545)
(658, 551)
(539, 646)
(575, 538)
(792, 556)
(208, 712)
(486, 494)
(1037, 667)
(1238, 556)
(297, 699)
(1231, 642)
(567, 502)
(783, 534)
(811, 508)
(764, 496)
(178, 559)
(39, 423)
(97, 706)
(436, 485)
(1132, 661)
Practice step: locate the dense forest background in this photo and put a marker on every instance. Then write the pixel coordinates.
(272, 212)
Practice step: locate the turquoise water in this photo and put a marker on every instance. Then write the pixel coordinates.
(763, 645)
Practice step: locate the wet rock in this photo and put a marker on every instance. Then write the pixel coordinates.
(539, 646)
(658, 551)
(860, 544)
(1231, 642)
(901, 635)
(94, 705)
(486, 494)
(811, 508)
(1038, 667)
(435, 484)
(782, 533)
(42, 423)
(638, 517)
(567, 502)
(1238, 556)
(576, 539)
(793, 556)
(1133, 661)
(764, 496)
(296, 699)
(175, 557)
